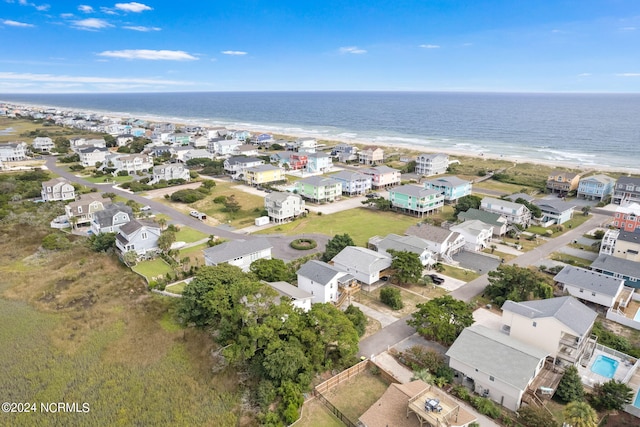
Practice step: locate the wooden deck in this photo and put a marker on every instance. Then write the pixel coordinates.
(548, 377)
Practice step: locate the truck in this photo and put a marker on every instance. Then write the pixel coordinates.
(198, 215)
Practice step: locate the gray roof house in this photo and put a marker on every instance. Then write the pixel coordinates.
(514, 212)
(299, 297)
(111, 218)
(240, 253)
(139, 236)
(499, 366)
(325, 282)
(412, 244)
(57, 189)
(554, 211)
(442, 242)
(499, 222)
(364, 264)
(85, 207)
(562, 326)
(618, 267)
(589, 285)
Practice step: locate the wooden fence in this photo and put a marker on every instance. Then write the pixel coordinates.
(342, 376)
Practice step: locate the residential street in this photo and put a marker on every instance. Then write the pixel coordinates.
(399, 331)
(176, 217)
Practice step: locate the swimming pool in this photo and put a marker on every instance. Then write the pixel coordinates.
(637, 316)
(636, 402)
(604, 366)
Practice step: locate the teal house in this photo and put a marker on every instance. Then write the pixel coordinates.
(451, 187)
(415, 200)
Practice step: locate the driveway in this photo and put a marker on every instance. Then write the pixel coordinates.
(283, 250)
(477, 261)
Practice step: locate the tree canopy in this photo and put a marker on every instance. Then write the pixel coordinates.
(511, 282)
(282, 345)
(570, 387)
(407, 265)
(580, 414)
(467, 202)
(442, 319)
(612, 395)
(271, 270)
(335, 245)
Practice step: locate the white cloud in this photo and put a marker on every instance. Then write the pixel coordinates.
(85, 8)
(66, 15)
(132, 7)
(142, 29)
(11, 23)
(50, 78)
(154, 55)
(107, 11)
(353, 50)
(40, 7)
(91, 24)
(233, 52)
(628, 74)
(430, 46)
(584, 74)
(628, 29)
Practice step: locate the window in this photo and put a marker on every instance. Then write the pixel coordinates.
(144, 235)
(535, 324)
(593, 294)
(79, 209)
(491, 378)
(581, 290)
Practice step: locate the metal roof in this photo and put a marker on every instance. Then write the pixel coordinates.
(228, 251)
(589, 279)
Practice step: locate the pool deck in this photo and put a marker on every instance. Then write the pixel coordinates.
(634, 383)
(590, 378)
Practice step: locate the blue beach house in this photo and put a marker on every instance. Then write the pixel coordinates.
(596, 187)
(451, 187)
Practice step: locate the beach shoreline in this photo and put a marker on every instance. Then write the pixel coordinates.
(403, 147)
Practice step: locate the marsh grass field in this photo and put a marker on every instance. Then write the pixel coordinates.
(79, 327)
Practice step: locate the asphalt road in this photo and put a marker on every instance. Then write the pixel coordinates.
(399, 331)
(176, 217)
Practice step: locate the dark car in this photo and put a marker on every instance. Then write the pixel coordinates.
(372, 195)
(436, 279)
(384, 278)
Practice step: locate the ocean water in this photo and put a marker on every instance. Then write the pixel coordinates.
(581, 129)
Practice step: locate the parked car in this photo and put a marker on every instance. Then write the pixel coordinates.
(145, 208)
(384, 278)
(436, 279)
(372, 195)
(198, 215)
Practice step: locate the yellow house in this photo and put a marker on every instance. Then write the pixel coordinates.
(562, 181)
(263, 174)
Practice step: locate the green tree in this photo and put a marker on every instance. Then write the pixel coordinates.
(271, 270)
(102, 242)
(392, 298)
(442, 319)
(511, 282)
(335, 245)
(358, 319)
(533, 416)
(208, 184)
(407, 265)
(130, 258)
(467, 202)
(110, 141)
(612, 395)
(536, 212)
(570, 387)
(166, 239)
(55, 242)
(585, 210)
(580, 414)
(231, 204)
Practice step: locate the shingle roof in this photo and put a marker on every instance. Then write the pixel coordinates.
(403, 243)
(516, 196)
(628, 180)
(484, 216)
(604, 179)
(228, 251)
(319, 181)
(279, 196)
(414, 191)
(104, 218)
(432, 233)
(498, 355)
(242, 159)
(499, 202)
(630, 236)
(137, 224)
(473, 226)
(379, 169)
(263, 168)
(555, 206)
(589, 279)
(452, 181)
(567, 310)
(345, 175)
(288, 290)
(363, 259)
(614, 264)
(319, 271)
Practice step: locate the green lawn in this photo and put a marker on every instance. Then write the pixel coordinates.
(195, 253)
(151, 269)
(359, 223)
(459, 273)
(176, 288)
(494, 185)
(577, 220)
(570, 259)
(189, 235)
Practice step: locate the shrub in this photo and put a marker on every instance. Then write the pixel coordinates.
(220, 200)
(55, 242)
(392, 298)
(303, 244)
(486, 407)
(187, 196)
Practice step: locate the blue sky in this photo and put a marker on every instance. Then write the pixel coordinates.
(255, 45)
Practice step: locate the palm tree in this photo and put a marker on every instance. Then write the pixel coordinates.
(162, 222)
(580, 414)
